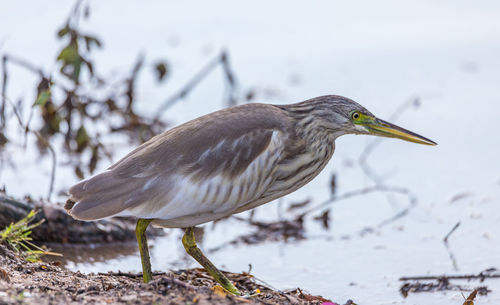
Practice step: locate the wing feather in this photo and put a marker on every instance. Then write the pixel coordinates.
(217, 147)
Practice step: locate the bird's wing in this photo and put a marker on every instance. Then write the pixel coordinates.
(204, 165)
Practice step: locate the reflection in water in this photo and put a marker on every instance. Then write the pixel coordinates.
(93, 253)
(199, 234)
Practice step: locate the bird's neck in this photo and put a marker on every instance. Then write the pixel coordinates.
(316, 137)
(307, 152)
(310, 135)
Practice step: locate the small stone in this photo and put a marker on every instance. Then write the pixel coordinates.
(127, 298)
(4, 275)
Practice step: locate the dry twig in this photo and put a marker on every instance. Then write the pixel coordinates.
(447, 246)
(221, 59)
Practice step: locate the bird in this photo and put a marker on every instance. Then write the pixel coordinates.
(221, 164)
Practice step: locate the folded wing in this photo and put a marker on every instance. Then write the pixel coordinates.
(213, 164)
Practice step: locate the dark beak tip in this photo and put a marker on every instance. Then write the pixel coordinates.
(427, 142)
(431, 143)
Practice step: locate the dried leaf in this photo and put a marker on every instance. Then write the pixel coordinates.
(94, 159)
(218, 290)
(311, 298)
(79, 172)
(298, 205)
(470, 298)
(333, 184)
(324, 218)
(161, 69)
(51, 118)
(86, 11)
(89, 66)
(4, 275)
(250, 95)
(3, 140)
(111, 105)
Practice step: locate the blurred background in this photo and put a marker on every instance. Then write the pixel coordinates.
(139, 68)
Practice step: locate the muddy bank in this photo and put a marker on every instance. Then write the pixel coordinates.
(59, 227)
(43, 283)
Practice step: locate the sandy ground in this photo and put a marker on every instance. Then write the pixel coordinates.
(41, 283)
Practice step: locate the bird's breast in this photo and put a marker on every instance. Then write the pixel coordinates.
(296, 171)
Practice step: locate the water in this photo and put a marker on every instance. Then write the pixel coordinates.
(380, 54)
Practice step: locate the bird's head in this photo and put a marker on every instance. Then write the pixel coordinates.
(341, 115)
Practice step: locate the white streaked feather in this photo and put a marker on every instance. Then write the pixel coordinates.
(190, 192)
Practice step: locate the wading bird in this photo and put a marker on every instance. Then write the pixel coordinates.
(221, 164)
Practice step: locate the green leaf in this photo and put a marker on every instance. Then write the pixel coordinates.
(17, 235)
(82, 138)
(69, 55)
(54, 123)
(71, 61)
(43, 98)
(62, 32)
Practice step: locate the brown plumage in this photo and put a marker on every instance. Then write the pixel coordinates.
(219, 164)
(179, 151)
(223, 163)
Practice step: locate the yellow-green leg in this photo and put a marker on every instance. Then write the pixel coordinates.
(140, 231)
(192, 249)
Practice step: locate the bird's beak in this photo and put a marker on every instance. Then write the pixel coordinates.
(382, 128)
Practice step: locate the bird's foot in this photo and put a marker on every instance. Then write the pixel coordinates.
(227, 287)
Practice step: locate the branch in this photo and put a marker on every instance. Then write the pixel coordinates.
(363, 158)
(22, 63)
(377, 179)
(401, 214)
(231, 79)
(359, 192)
(129, 274)
(445, 239)
(54, 163)
(447, 246)
(15, 110)
(197, 78)
(491, 273)
(4, 90)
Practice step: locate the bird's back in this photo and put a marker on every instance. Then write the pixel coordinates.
(196, 172)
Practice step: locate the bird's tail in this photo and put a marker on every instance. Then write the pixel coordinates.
(101, 196)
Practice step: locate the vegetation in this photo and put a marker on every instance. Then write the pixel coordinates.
(17, 236)
(75, 106)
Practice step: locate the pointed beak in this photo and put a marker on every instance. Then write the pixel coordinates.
(382, 128)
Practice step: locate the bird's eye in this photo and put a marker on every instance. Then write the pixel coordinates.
(355, 115)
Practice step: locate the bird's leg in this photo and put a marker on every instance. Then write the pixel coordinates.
(140, 231)
(192, 249)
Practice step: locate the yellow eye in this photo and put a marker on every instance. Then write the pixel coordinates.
(355, 115)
